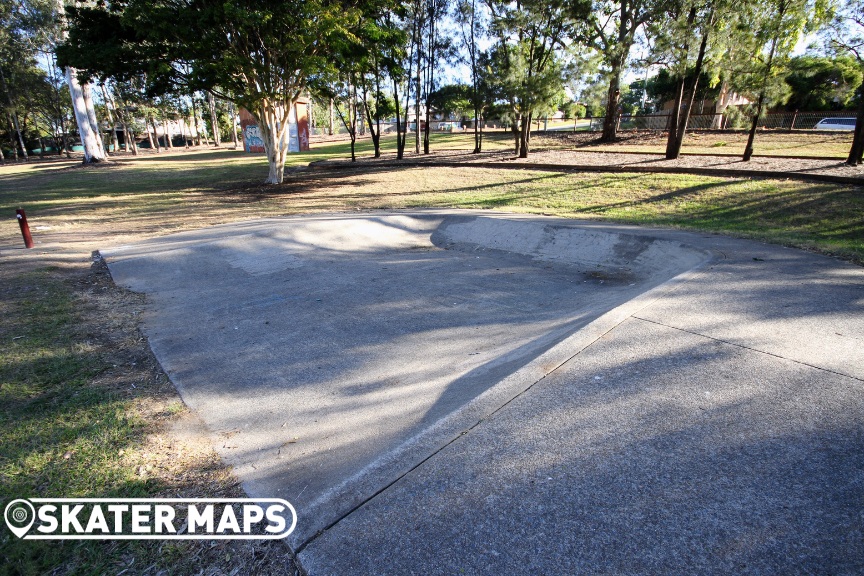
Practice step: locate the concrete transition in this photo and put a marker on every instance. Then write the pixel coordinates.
(484, 393)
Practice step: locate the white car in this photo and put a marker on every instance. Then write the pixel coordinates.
(835, 124)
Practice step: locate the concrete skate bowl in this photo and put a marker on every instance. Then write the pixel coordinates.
(330, 355)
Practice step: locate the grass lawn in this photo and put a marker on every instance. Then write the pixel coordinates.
(86, 411)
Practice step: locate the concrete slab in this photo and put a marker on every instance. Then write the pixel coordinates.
(330, 355)
(655, 451)
(477, 393)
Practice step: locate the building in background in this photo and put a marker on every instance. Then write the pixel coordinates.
(297, 135)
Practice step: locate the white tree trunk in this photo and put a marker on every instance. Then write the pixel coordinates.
(108, 105)
(214, 124)
(166, 127)
(273, 125)
(93, 152)
(234, 127)
(722, 103)
(91, 114)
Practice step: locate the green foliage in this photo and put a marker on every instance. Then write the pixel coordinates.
(661, 88)
(573, 109)
(774, 28)
(452, 99)
(593, 96)
(530, 72)
(259, 54)
(822, 83)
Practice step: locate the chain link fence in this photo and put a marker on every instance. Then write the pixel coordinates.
(735, 120)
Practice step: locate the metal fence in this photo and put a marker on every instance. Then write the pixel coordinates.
(729, 121)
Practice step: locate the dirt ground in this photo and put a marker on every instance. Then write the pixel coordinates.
(797, 142)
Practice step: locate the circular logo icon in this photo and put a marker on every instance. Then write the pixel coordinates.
(19, 515)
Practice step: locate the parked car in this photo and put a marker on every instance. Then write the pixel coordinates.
(835, 124)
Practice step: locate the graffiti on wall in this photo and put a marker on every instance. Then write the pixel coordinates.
(252, 139)
(296, 137)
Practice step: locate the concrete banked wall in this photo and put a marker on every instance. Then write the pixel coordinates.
(616, 253)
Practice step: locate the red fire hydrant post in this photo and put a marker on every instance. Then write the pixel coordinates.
(25, 229)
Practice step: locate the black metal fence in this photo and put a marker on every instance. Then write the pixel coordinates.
(736, 120)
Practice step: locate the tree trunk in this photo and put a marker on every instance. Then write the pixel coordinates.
(125, 135)
(169, 133)
(376, 133)
(516, 129)
(41, 147)
(196, 138)
(372, 121)
(613, 95)
(203, 128)
(526, 129)
(673, 145)
(12, 138)
(20, 138)
(234, 127)
(133, 139)
(93, 152)
(748, 150)
(155, 135)
(14, 118)
(857, 151)
(673, 118)
(417, 111)
(426, 131)
(214, 121)
(330, 119)
(400, 140)
(149, 134)
(352, 117)
(91, 115)
(114, 143)
(272, 124)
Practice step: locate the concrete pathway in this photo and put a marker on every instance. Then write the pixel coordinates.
(477, 393)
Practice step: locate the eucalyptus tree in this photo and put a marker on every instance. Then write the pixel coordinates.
(401, 68)
(778, 26)
(438, 46)
(822, 82)
(845, 35)
(13, 68)
(16, 63)
(80, 92)
(259, 54)
(613, 27)
(691, 38)
(529, 35)
(372, 44)
(470, 18)
(340, 86)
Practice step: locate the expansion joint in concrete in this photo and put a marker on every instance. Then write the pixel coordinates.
(751, 349)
